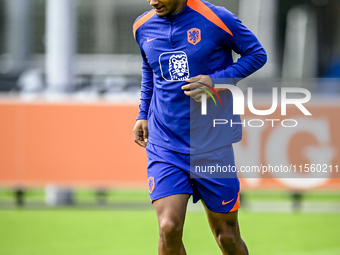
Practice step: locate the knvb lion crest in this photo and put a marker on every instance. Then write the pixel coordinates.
(178, 67)
(194, 36)
(151, 184)
(174, 66)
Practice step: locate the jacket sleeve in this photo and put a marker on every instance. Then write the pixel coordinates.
(146, 90)
(242, 41)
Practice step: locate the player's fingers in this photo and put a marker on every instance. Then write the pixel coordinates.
(138, 139)
(141, 143)
(193, 85)
(193, 79)
(199, 99)
(138, 136)
(135, 134)
(145, 133)
(196, 85)
(186, 87)
(196, 94)
(190, 93)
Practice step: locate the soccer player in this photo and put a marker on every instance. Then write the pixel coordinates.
(186, 47)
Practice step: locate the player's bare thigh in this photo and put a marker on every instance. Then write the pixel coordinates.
(172, 208)
(171, 212)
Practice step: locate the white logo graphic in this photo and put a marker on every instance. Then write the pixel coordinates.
(238, 102)
(174, 66)
(178, 67)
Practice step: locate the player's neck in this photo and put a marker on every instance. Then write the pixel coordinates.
(180, 7)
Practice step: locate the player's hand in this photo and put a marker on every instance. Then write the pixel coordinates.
(196, 87)
(141, 133)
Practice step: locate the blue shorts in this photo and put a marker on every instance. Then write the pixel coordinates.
(169, 174)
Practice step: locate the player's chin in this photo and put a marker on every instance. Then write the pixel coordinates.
(162, 13)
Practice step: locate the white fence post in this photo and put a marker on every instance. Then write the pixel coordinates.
(60, 44)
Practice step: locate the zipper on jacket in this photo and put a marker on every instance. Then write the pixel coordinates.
(171, 31)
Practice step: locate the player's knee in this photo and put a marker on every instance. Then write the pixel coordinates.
(170, 228)
(228, 241)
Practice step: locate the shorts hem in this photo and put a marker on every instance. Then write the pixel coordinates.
(223, 211)
(168, 195)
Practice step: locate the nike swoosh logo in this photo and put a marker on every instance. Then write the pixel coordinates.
(225, 203)
(149, 40)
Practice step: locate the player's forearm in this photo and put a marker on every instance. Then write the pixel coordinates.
(146, 91)
(145, 101)
(245, 66)
(144, 109)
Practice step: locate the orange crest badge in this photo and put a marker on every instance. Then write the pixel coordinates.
(151, 184)
(194, 36)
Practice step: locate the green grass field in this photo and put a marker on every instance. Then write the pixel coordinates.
(142, 196)
(103, 232)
